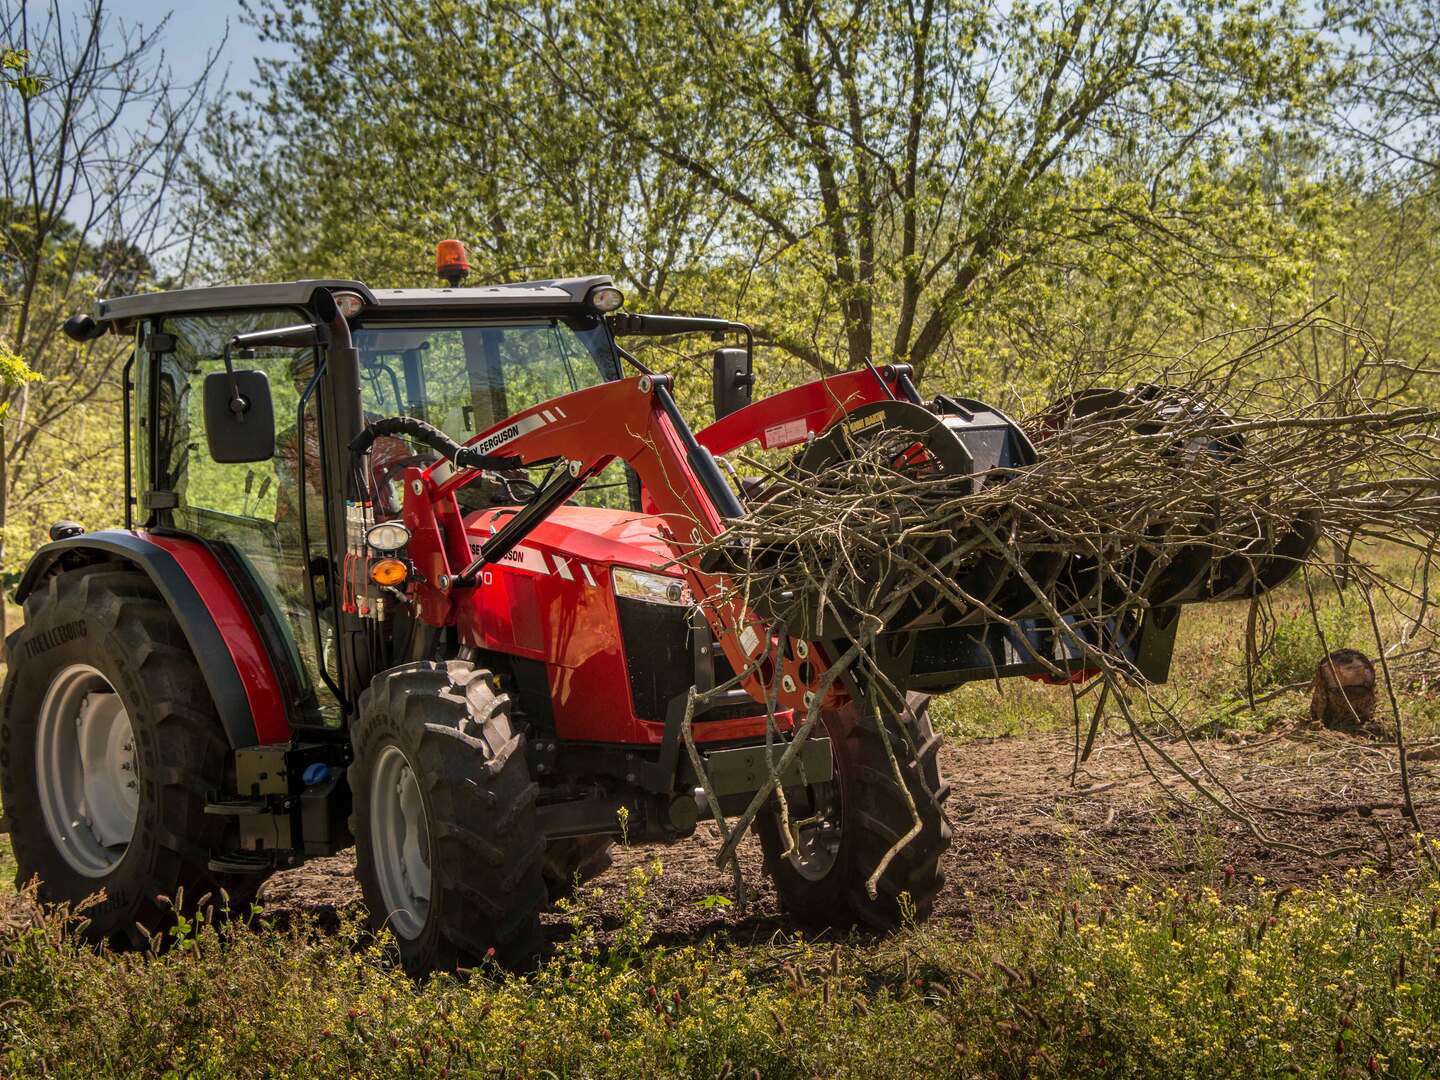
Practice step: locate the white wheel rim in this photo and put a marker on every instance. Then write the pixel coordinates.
(400, 842)
(86, 769)
(817, 841)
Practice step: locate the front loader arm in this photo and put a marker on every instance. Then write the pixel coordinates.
(636, 421)
(791, 416)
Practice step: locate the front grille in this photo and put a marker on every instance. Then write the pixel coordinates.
(660, 660)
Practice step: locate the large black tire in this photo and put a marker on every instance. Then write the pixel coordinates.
(872, 815)
(111, 619)
(572, 861)
(483, 851)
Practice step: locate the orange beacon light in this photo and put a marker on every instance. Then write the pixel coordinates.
(451, 261)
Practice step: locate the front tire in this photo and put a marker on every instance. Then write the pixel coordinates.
(109, 747)
(860, 814)
(447, 846)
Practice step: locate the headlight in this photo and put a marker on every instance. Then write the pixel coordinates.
(606, 298)
(654, 588)
(349, 303)
(387, 537)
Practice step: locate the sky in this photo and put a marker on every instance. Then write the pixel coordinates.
(194, 29)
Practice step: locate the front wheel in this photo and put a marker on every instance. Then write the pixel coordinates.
(843, 828)
(447, 845)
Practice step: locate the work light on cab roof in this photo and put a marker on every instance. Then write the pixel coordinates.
(606, 298)
(349, 303)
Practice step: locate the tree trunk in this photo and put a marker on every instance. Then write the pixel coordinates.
(4, 508)
(1343, 693)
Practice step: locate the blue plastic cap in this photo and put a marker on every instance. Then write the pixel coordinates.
(316, 773)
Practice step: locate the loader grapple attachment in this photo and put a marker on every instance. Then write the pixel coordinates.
(997, 618)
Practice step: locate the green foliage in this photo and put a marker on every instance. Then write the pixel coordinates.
(15, 73)
(929, 182)
(1301, 638)
(13, 369)
(1236, 980)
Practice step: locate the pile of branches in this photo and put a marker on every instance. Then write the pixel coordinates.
(1283, 451)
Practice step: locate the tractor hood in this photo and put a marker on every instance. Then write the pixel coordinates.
(553, 599)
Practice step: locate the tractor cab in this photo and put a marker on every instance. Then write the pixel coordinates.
(282, 519)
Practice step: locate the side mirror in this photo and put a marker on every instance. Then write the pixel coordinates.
(83, 328)
(732, 381)
(239, 415)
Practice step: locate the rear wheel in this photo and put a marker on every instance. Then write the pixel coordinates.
(109, 747)
(846, 826)
(447, 846)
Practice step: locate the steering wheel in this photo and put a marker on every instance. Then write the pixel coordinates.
(513, 487)
(388, 474)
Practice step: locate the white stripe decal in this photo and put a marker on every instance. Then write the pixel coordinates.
(585, 569)
(525, 558)
(549, 417)
(562, 567)
(559, 411)
(510, 433)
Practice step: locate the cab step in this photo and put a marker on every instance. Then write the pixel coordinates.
(241, 862)
(238, 807)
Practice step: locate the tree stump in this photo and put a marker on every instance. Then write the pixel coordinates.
(1343, 693)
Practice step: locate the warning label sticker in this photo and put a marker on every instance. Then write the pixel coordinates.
(749, 640)
(786, 434)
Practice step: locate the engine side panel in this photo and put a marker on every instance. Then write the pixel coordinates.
(551, 599)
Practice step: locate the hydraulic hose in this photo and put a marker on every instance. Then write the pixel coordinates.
(463, 457)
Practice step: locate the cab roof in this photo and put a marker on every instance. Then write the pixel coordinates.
(554, 296)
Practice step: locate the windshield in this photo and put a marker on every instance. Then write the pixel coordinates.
(464, 379)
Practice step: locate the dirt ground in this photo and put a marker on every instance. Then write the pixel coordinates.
(1021, 828)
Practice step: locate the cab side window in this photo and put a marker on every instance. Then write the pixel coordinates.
(247, 492)
(249, 512)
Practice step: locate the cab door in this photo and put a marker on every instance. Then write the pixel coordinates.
(249, 514)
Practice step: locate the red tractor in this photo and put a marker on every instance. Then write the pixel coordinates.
(416, 570)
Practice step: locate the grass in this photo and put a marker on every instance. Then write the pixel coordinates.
(1229, 979)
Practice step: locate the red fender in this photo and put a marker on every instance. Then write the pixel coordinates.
(205, 601)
